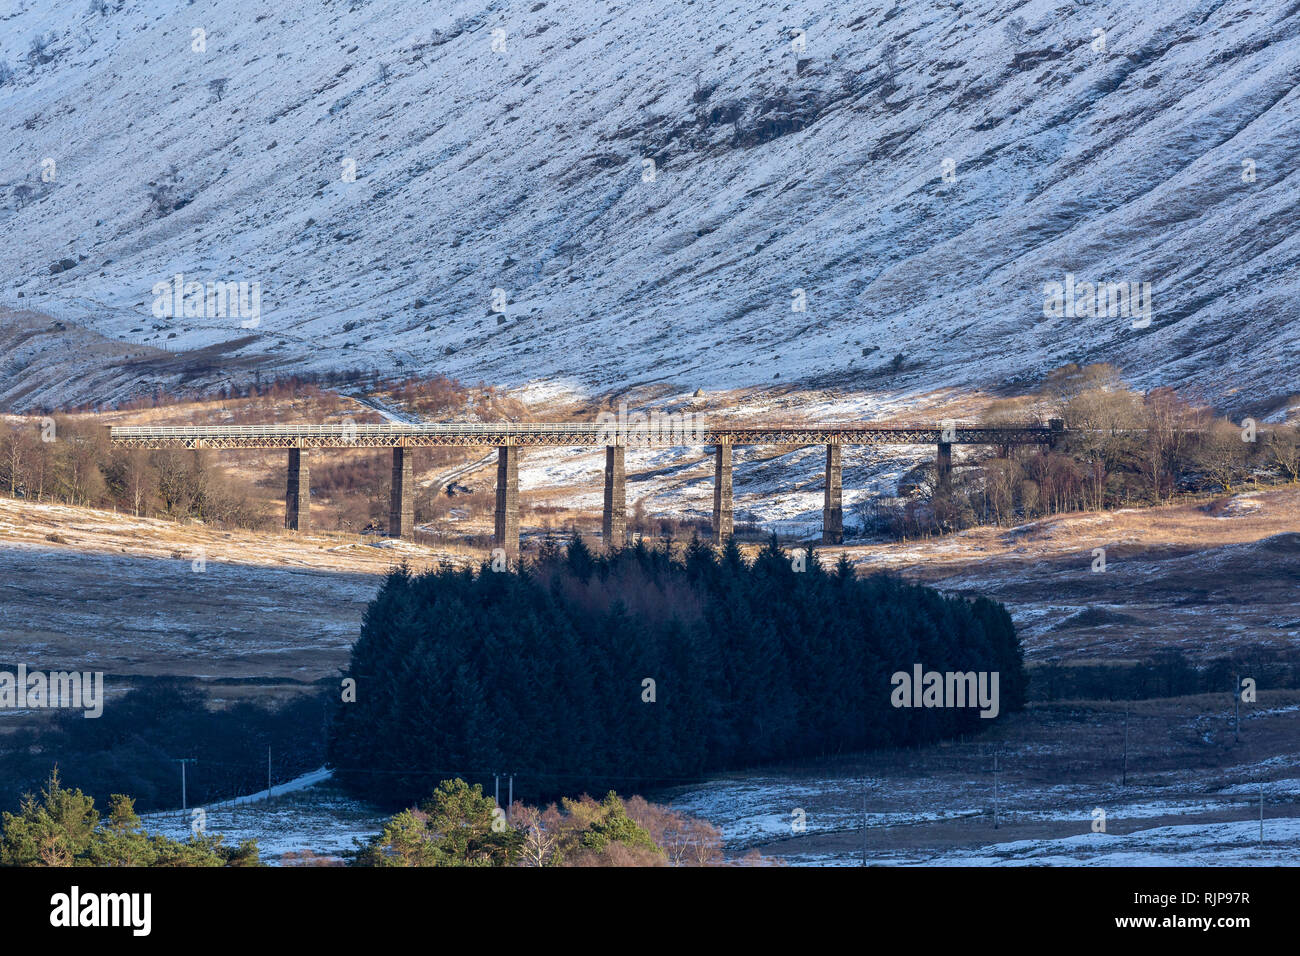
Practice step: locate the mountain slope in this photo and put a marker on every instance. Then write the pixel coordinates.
(775, 169)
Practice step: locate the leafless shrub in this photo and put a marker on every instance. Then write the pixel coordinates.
(41, 49)
(308, 858)
(164, 192)
(1014, 28)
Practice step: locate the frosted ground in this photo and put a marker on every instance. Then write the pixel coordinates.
(776, 169)
(758, 813)
(755, 811)
(306, 813)
(289, 606)
(290, 619)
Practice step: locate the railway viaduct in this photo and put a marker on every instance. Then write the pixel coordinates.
(510, 440)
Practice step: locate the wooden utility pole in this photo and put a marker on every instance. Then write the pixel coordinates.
(1236, 710)
(183, 761)
(864, 823)
(995, 791)
(1124, 779)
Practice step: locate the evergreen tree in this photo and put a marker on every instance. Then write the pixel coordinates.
(63, 828)
(541, 669)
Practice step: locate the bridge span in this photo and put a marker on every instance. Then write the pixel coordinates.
(509, 438)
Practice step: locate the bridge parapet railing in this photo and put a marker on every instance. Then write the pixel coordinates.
(572, 433)
(534, 428)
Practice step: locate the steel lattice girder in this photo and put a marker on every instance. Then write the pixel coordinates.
(428, 436)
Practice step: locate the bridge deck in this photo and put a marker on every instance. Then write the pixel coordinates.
(665, 432)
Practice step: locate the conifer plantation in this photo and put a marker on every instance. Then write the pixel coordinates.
(541, 671)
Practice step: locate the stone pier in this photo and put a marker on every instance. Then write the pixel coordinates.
(944, 461)
(297, 493)
(1057, 427)
(401, 505)
(507, 512)
(722, 515)
(613, 525)
(833, 508)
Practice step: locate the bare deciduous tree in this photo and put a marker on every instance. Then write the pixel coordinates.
(1284, 450)
(1222, 454)
(15, 447)
(541, 833)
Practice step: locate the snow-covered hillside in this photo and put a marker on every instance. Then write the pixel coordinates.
(649, 184)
